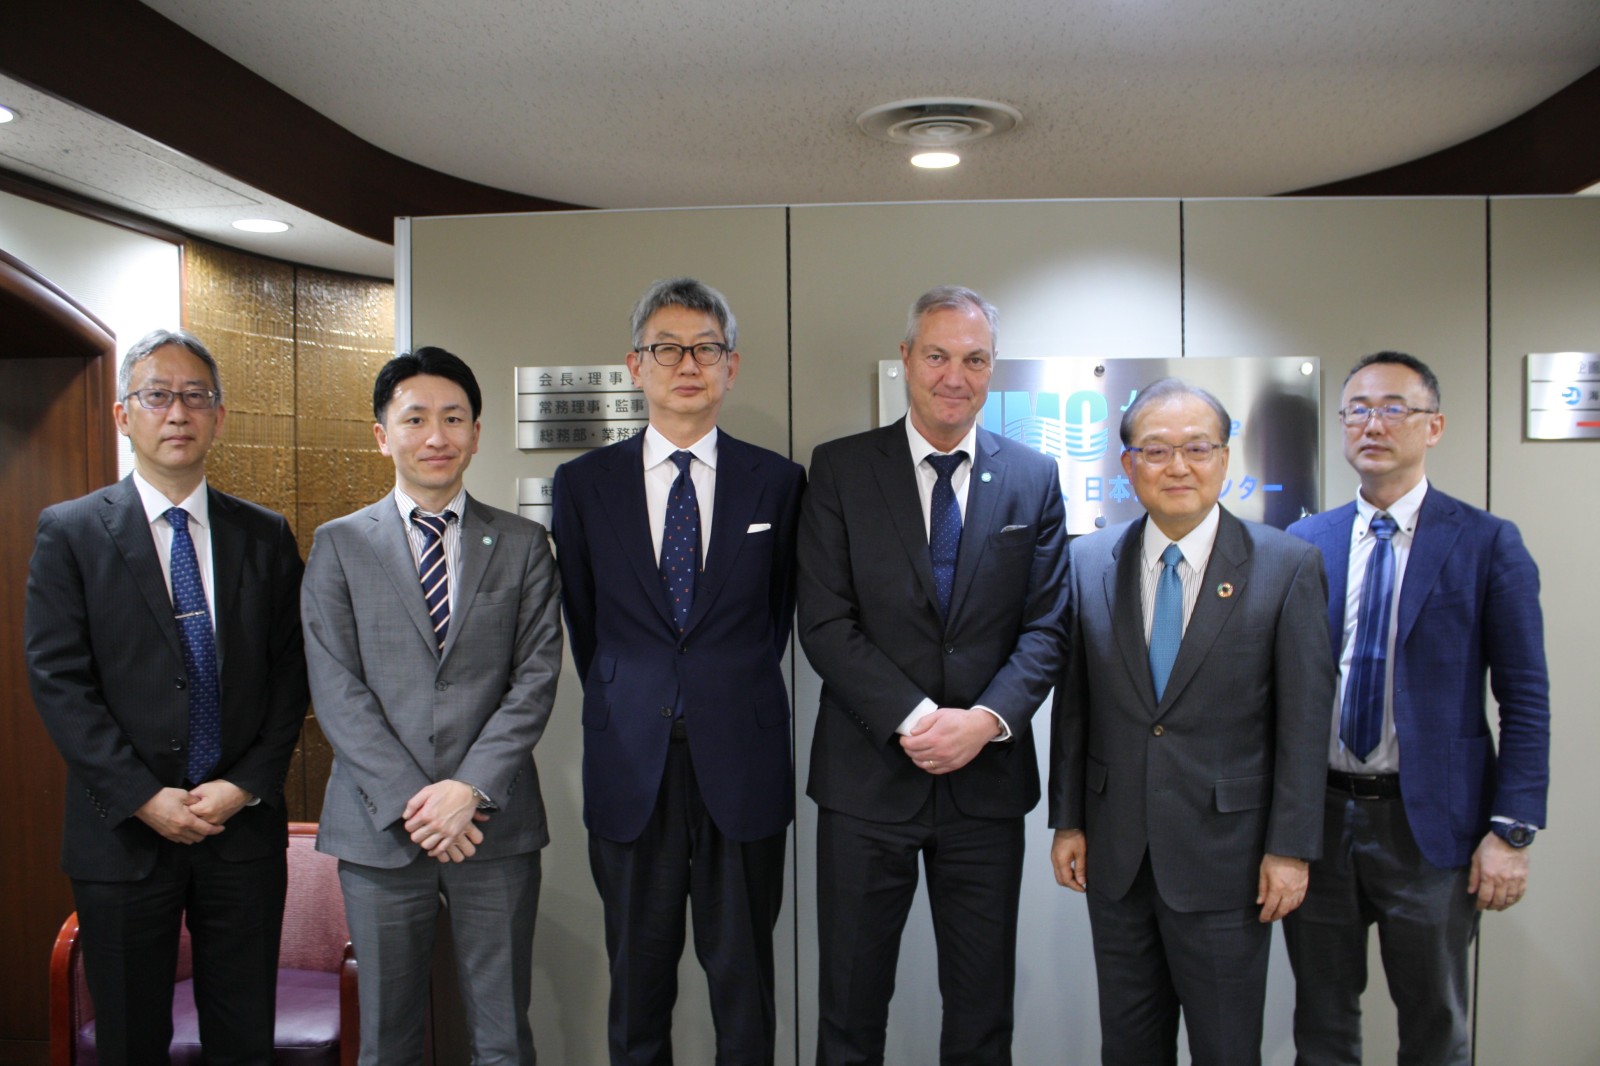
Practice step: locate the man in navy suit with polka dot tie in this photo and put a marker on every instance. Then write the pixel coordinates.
(164, 649)
(676, 550)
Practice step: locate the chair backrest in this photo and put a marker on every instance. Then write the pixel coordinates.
(314, 929)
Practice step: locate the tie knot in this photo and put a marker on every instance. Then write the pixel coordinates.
(1383, 527)
(432, 524)
(682, 459)
(177, 518)
(945, 465)
(1172, 556)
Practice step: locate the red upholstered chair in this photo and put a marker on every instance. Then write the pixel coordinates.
(316, 976)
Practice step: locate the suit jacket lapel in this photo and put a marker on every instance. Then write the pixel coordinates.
(1229, 565)
(130, 530)
(891, 467)
(479, 536)
(1438, 526)
(387, 537)
(1125, 608)
(737, 497)
(622, 496)
(227, 567)
(982, 498)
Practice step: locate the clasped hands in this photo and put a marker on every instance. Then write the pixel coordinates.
(440, 819)
(188, 816)
(945, 740)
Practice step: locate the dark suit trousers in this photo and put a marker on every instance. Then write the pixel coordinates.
(866, 879)
(1371, 872)
(1151, 961)
(735, 892)
(130, 932)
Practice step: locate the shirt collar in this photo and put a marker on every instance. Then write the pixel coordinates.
(658, 449)
(156, 504)
(1404, 510)
(921, 449)
(1195, 545)
(457, 504)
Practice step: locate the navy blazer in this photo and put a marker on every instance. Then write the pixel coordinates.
(106, 664)
(1469, 604)
(725, 670)
(871, 627)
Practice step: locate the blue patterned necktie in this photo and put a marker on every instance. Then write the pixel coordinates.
(433, 571)
(944, 527)
(199, 652)
(680, 541)
(1166, 627)
(1361, 718)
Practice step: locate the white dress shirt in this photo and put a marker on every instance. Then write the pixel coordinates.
(197, 503)
(659, 474)
(452, 534)
(1196, 547)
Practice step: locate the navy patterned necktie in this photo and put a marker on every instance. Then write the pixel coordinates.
(680, 541)
(1166, 623)
(944, 527)
(199, 652)
(1361, 717)
(433, 571)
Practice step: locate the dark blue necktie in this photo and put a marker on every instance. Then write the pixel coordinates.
(680, 542)
(1166, 625)
(1361, 718)
(944, 527)
(199, 652)
(433, 571)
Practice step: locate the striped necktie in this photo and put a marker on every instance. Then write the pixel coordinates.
(433, 571)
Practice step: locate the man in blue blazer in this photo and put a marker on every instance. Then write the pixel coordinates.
(1426, 826)
(932, 601)
(676, 550)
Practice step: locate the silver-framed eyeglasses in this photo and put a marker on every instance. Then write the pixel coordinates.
(161, 399)
(706, 353)
(1392, 414)
(1195, 452)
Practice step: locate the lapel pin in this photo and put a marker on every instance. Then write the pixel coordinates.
(488, 540)
(1224, 590)
(986, 477)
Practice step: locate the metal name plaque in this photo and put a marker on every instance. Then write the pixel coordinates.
(577, 406)
(1071, 410)
(1562, 391)
(536, 499)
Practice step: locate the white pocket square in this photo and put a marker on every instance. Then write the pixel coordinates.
(759, 527)
(1008, 529)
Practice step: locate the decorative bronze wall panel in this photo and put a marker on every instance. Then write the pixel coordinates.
(298, 349)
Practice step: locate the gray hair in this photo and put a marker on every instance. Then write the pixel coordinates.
(1167, 389)
(146, 347)
(951, 298)
(691, 295)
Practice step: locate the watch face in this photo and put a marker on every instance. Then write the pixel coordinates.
(1520, 836)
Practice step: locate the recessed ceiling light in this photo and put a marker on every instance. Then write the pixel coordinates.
(260, 225)
(935, 160)
(6, 114)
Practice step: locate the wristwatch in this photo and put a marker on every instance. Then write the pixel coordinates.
(1517, 834)
(485, 804)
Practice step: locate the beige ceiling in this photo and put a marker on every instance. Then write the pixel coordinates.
(710, 102)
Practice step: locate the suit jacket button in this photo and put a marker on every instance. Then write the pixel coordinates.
(666, 712)
(177, 745)
(949, 649)
(440, 686)
(1158, 730)
(178, 682)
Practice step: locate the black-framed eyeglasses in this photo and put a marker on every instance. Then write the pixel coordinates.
(161, 399)
(1195, 452)
(1359, 414)
(706, 353)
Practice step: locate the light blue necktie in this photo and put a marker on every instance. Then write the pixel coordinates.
(1166, 628)
(680, 541)
(944, 527)
(199, 652)
(1361, 717)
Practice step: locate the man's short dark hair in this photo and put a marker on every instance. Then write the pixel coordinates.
(691, 295)
(1166, 389)
(434, 361)
(1410, 362)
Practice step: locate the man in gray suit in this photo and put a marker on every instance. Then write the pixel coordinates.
(432, 639)
(1189, 736)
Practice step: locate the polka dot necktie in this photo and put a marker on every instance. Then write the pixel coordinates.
(432, 570)
(199, 652)
(944, 527)
(1166, 624)
(680, 542)
(1361, 717)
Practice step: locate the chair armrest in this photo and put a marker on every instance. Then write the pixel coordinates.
(64, 963)
(349, 1007)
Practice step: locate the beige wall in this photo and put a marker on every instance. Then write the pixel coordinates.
(1329, 279)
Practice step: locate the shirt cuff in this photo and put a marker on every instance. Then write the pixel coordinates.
(1005, 730)
(918, 713)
